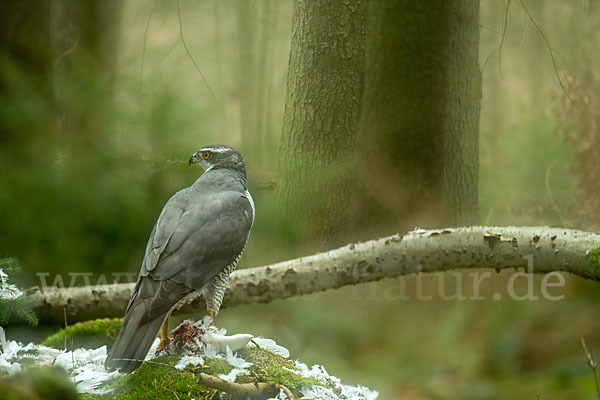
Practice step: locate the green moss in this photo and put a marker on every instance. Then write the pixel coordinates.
(270, 368)
(158, 378)
(593, 259)
(89, 334)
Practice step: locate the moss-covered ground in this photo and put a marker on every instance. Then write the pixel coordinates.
(89, 334)
(158, 378)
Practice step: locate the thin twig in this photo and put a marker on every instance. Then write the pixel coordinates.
(592, 364)
(144, 48)
(504, 27)
(164, 56)
(174, 393)
(499, 49)
(187, 50)
(146, 361)
(551, 51)
(65, 316)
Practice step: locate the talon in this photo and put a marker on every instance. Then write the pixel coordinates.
(164, 344)
(165, 340)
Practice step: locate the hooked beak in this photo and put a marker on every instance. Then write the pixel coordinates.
(194, 159)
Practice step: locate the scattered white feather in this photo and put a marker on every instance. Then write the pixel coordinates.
(233, 374)
(236, 361)
(152, 353)
(339, 392)
(270, 345)
(221, 342)
(189, 360)
(280, 396)
(86, 367)
(211, 351)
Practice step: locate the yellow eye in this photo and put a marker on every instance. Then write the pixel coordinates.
(205, 155)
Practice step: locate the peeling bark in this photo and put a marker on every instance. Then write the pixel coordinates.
(553, 249)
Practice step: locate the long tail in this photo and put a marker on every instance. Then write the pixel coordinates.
(133, 344)
(146, 312)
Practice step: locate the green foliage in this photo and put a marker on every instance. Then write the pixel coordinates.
(38, 384)
(10, 265)
(17, 307)
(88, 334)
(593, 258)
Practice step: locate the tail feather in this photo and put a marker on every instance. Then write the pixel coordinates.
(148, 308)
(133, 343)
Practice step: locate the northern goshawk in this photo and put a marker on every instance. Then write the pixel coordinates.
(194, 246)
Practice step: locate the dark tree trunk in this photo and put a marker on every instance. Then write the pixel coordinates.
(26, 62)
(85, 37)
(419, 127)
(321, 113)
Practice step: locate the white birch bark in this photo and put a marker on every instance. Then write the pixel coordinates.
(552, 249)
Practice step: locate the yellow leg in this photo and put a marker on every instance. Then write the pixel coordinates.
(164, 336)
(212, 317)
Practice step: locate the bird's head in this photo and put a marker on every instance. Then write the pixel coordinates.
(218, 156)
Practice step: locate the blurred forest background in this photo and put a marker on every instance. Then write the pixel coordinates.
(101, 105)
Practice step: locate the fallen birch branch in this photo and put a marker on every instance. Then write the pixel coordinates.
(257, 390)
(553, 249)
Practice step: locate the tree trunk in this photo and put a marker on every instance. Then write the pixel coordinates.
(321, 113)
(85, 38)
(420, 115)
(26, 62)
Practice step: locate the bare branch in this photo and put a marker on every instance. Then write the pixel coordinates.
(553, 249)
(144, 47)
(551, 51)
(189, 54)
(257, 390)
